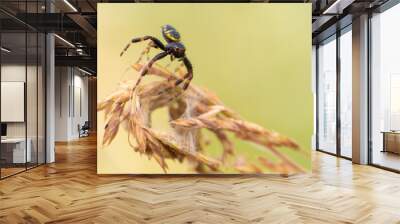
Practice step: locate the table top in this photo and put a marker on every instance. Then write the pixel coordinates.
(13, 140)
(391, 132)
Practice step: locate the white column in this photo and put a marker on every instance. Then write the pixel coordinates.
(50, 92)
(50, 99)
(360, 90)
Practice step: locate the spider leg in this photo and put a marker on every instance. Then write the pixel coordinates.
(188, 76)
(156, 41)
(148, 66)
(145, 52)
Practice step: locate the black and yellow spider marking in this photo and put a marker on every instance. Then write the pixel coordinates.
(174, 48)
(170, 33)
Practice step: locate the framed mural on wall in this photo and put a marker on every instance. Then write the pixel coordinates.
(204, 88)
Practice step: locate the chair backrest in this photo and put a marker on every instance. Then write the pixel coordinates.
(86, 125)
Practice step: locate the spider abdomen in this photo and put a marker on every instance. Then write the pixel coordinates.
(170, 34)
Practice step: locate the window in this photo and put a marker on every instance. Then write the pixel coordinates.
(22, 66)
(385, 89)
(327, 95)
(346, 92)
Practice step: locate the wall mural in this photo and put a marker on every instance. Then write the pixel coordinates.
(204, 88)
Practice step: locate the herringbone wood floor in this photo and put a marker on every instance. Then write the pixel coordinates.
(69, 191)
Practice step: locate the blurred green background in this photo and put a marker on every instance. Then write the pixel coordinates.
(255, 57)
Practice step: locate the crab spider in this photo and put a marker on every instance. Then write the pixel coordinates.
(174, 48)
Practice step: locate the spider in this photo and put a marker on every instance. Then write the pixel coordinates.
(174, 48)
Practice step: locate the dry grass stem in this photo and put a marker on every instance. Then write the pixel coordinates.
(190, 112)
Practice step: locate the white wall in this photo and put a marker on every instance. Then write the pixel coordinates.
(71, 102)
(62, 81)
(80, 103)
(16, 73)
(33, 127)
(12, 73)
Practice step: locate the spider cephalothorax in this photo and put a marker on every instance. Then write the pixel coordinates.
(174, 48)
